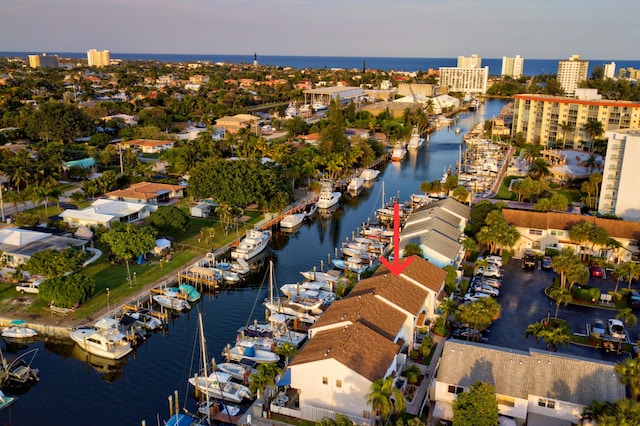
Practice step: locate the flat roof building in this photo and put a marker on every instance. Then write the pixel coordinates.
(98, 58)
(512, 67)
(619, 189)
(540, 117)
(571, 72)
(473, 61)
(472, 80)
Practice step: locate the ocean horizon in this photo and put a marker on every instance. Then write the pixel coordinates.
(532, 67)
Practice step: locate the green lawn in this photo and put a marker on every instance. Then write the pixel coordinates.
(187, 246)
(503, 192)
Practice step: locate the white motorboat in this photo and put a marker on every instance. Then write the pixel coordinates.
(237, 370)
(415, 141)
(310, 210)
(328, 199)
(219, 385)
(398, 153)
(249, 351)
(312, 288)
(253, 243)
(276, 328)
(18, 332)
(355, 185)
(146, 320)
(103, 341)
(369, 174)
(172, 303)
(209, 407)
(292, 220)
(319, 106)
(322, 277)
(184, 291)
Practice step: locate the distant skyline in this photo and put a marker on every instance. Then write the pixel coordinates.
(541, 29)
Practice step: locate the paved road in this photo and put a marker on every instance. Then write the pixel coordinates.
(523, 302)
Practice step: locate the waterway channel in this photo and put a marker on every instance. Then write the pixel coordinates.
(73, 392)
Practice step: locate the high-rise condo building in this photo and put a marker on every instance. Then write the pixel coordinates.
(571, 72)
(44, 61)
(512, 67)
(472, 80)
(98, 58)
(559, 121)
(620, 176)
(609, 70)
(473, 61)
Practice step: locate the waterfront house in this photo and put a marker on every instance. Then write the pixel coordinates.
(437, 229)
(550, 230)
(105, 212)
(534, 388)
(362, 338)
(148, 193)
(18, 245)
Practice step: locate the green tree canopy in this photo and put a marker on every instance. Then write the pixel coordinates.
(129, 240)
(170, 219)
(478, 407)
(53, 263)
(67, 290)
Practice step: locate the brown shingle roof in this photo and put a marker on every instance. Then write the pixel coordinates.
(367, 309)
(564, 221)
(422, 271)
(357, 347)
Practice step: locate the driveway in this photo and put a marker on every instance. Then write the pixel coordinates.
(523, 302)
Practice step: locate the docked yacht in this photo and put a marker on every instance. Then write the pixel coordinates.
(355, 185)
(415, 141)
(104, 339)
(328, 199)
(253, 243)
(290, 221)
(398, 153)
(219, 385)
(369, 174)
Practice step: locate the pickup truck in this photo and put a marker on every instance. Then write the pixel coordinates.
(29, 286)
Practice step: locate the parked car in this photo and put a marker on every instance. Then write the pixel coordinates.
(473, 297)
(484, 288)
(596, 270)
(490, 272)
(546, 262)
(493, 282)
(493, 259)
(466, 333)
(598, 326)
(634, 299)
(30, 286)
(616, 329)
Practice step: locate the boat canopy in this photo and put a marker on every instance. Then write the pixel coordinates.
(285, 380)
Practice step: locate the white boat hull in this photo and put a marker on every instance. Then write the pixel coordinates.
(254, 243)
(215, 387)
(110, 344)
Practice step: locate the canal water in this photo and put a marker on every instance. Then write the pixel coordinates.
(74, 391)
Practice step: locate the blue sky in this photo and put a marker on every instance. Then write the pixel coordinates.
(601, 29)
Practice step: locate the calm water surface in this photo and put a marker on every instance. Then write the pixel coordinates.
(73, 392)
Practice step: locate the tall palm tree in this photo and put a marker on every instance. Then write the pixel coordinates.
(566, 127)
(560, 295)
(287, 350)
(539, 168)
(594, 129)
(381, 395)
(627, 317)
(534, 330)
(629, 373)
(633, 271)
(562, 263)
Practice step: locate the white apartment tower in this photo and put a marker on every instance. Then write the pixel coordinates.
(473, 61)
(512, 67)
(609, 70)
(44, 61)
(620, 176)
(463, 80)
(571, 72)
(99, 58)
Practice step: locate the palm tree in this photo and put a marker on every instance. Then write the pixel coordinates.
(380, 398)
(77, 197)
(560, 295)
(566, 127)
(555, 336)
(631, 270)
(534, 330)
(412, 373)
(629, 373)
(412, 249)
(447, 306)
(594, 410)
(287, 350)
(539, 168)
(594, 129)
(627, 317)
(469, 245)
(264, 376)
(592, 163)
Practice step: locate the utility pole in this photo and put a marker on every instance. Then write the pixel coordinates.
(121, 164)
(1, 203)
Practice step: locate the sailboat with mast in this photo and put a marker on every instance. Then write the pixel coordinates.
(217, 384)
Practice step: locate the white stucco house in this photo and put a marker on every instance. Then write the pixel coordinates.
(362, 338)
(536, 388)
(18, 245)
(106, 212)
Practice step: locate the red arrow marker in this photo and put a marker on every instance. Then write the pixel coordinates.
(398, 264)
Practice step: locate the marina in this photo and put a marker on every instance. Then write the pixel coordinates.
(136, 387)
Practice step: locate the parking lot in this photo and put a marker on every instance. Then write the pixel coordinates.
(523, 302)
